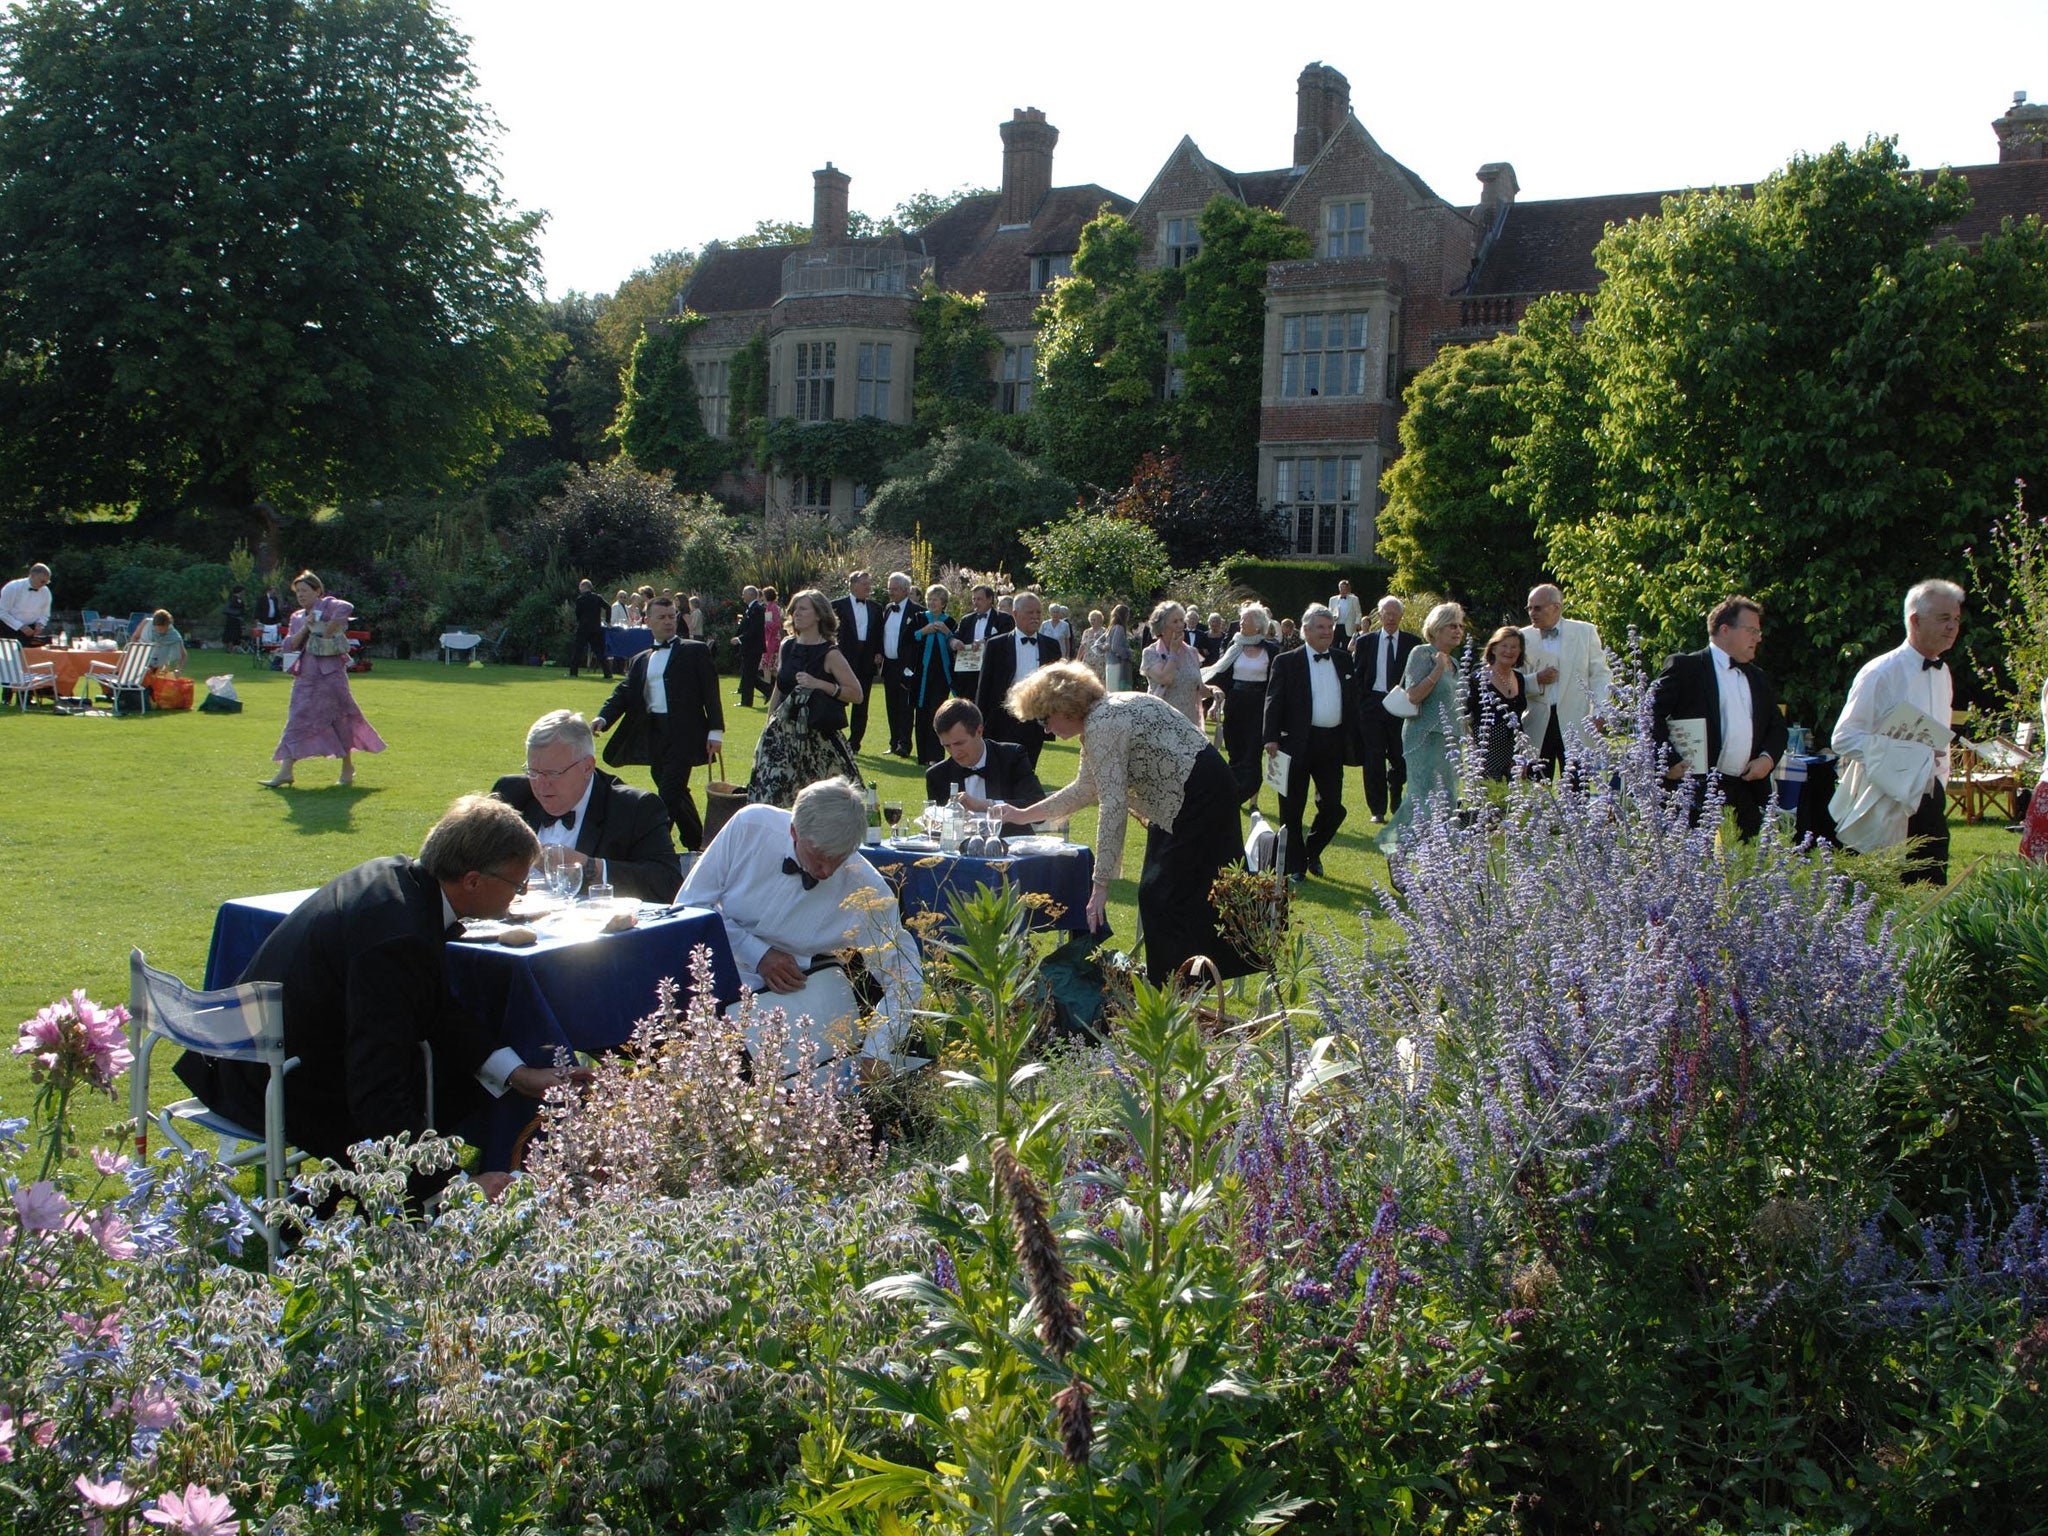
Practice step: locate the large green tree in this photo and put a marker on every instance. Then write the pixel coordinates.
(660, 421)
(1800, 394)
(252, 249)
(969, 496)
(1450, 526)
(1223, 316)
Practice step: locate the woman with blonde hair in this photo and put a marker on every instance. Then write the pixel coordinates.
(1242, 672)
(323, 719)
(1141, 757)
(805, 737)
(937, 640)
(1433, 727)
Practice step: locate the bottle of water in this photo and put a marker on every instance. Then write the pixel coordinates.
(954, 827)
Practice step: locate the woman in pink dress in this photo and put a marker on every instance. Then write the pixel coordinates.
(771, 637)
(2034, 836)
(323, 720)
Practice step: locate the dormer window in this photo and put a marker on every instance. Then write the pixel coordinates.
(1047, 270)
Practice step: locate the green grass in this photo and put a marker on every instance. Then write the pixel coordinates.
(130, 833)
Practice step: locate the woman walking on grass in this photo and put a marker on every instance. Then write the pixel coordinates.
(324, 719)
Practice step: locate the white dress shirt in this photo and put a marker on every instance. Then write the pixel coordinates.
(1737, 717)
(1892, 679)
(502, 1062)
(1326, 689)
(559, 834)
(740, 876)
(1027, 655)
(860, 620)
(657, 680)
(619, 614)
(1383, 678)
(22, 603)
(892, 631)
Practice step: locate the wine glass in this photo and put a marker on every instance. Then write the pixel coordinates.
(552, 858)
(892, 813)
(568, 879)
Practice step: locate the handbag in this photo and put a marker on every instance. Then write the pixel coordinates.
(721, 798)
(823, 711)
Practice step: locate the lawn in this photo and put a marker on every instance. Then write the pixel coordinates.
(130, 833)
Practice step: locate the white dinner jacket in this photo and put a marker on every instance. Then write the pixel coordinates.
(1583, 678)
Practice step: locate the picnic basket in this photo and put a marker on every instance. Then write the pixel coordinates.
(721, 797)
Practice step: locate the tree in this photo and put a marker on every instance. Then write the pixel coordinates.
(1448, 525)
(581, 382)
(1092, 559)
(647, 296)
(609, 521)
(1798, 396)
(252, 248)
(1201, 518)
(1102, 359)
(971, 497)
(1223, 316)
(660, 423)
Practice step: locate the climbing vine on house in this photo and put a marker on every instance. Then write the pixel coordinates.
(859, 449)
(954, 385)
(747, 381)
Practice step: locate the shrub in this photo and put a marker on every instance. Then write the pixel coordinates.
(1091, 560)
(972, 497)
(607, 520)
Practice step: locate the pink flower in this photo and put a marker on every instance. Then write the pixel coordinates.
(153, 1408)
(6, 1439)
(88, 1329)
(112, 1234)
(111, 1494)
(77, 1035)
(41, 1206)
(199, 1512)
(108, 1163)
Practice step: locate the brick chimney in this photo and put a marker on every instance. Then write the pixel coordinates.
(2022, 132)
(828, 205)
(1027, 164)
(1322, 97)
(1497, 188)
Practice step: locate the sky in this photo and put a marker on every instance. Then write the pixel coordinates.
(643, 126)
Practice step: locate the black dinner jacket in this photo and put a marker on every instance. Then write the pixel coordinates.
(1290, 703)
(979, 627)
(909, 661)
(1688, 688)
(628, 828)
(862, 658)
(1365, 651)
(1007, 773)
(753, 626)
(694, 709)
(998, 672)
(363, 963)
(591, 613)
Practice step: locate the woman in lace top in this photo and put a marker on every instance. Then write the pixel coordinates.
(1142, 757)
(1172, 667)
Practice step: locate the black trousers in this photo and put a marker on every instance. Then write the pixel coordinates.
(1747, 798)
(589, 643)
(1324, 768)
(1244, 724)
(1386, 770)
(1927, 839)
(672, 783)
(750, 671)
(1181, 864)
(857, 714)
(897, 696)
(928, 749)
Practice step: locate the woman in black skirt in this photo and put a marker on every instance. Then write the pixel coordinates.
(1241, 672)
(1142, 757)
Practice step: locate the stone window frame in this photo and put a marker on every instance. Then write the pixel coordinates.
(1180, 238)
(1354, 234)
(713, 378)
(873, 382)
(1016, 378)
(1336, 512)
(1354, 357)
(1049, 268)
(814, 379)
(810, 493)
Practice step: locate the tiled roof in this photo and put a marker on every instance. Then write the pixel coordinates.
(973, 254)
(729, 279)
(1547, 247)
(1259, 189)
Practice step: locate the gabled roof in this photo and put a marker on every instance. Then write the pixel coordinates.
(972, 253)
(1351, 124)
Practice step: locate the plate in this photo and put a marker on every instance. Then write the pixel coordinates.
(914, 844)
(482, 930)
(1034, 844)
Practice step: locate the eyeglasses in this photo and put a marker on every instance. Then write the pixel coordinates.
(518, 886)
(544, 776)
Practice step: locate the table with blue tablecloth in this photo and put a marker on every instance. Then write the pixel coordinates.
(928, 882)
(567, 992)
(622, 642)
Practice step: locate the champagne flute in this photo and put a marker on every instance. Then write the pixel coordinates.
(552, 858)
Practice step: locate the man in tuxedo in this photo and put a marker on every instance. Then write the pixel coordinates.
(991, 770)
(571, 803)
(898, 658)
(982, 624)
(1724, 690)
(362, 962)
(1312, 716)
(669, 716)
(860, 642)
(1566, 662)
(1377, 657)
(591, 611)
(753, 643)
(1010, 658)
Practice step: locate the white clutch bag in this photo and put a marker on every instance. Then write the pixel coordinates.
(1398, 704)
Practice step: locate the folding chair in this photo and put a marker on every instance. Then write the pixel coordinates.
(21, 679)
(127, 680)
(239, 1023)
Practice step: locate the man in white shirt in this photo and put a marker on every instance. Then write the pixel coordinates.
(25, 606)
(1007, 661)
(1378, 658)
(1893, 738)
(792, 890)
(1312, 716)
(1348, 612)
(1568, 665)
(1718, 703)
(669, 716)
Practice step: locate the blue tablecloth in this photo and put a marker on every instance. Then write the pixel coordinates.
(928, 882)
(562, 993)
(622, 642)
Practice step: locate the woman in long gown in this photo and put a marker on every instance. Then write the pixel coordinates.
(1172, 667)
(1430, 738)
(323, 719)
(805, 737)
(1495, 701)
(936, 642)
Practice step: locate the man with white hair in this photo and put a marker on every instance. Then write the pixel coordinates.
(572, 803)
(1378, 658)
(1893, 738)
(1568, 665)
(794, 893)
(25, 606)
(1312, 716)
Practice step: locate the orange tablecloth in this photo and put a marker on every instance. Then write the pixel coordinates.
(71, 665)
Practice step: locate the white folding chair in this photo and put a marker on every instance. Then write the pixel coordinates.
(125, 680)
(23, 680)
(240, 1023)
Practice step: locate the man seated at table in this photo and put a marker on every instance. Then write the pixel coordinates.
(989, 770)
(572, 803)
(363, 965)
(793, 892)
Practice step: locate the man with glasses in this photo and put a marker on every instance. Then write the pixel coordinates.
(1565, 661)
(572, 803)
(363, 965)
(669, 716)
(1715, 714)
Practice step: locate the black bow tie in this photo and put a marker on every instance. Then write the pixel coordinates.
(1318, 655)
(1551, 633)
(567, 818)
(791, 867)
(453, 930)
(1931, 663)
(895, 608)
(1031, 640)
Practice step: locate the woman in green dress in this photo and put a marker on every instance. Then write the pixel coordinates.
(1433, 733)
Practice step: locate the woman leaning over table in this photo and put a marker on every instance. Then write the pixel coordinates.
(1242, 672)
(166, 645)
(1431, 735)
(323, 719)
(805, 737)
(1172, 667)
(1141, 757)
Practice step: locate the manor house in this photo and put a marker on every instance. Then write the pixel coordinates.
(1397, 273)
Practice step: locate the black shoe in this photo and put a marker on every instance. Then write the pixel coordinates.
(1315, 865)
(1295, 878)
